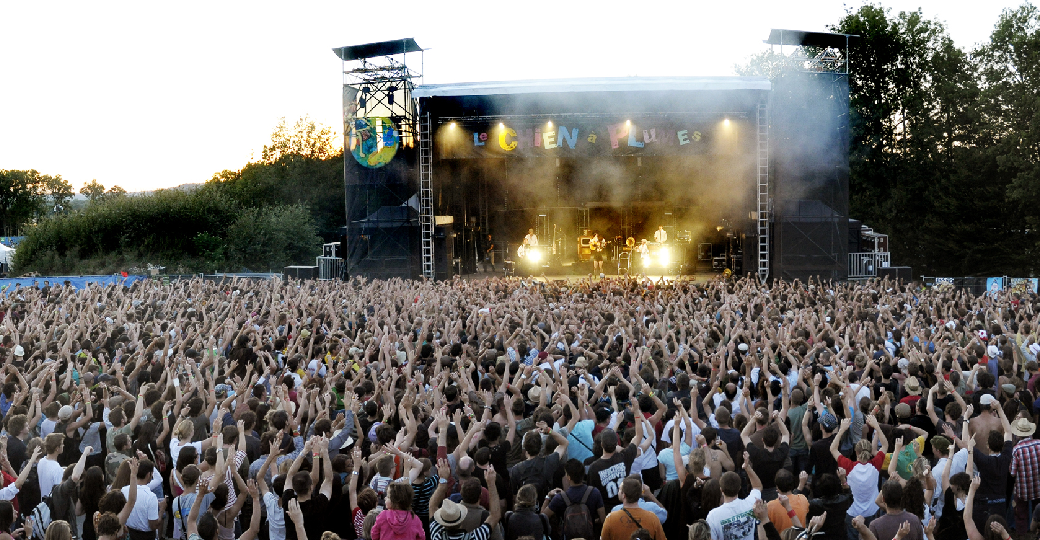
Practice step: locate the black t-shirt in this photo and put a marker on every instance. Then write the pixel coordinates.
(820, 459)
(994, 473)
(16, 452)
(766, 463)
(734, 444)
(951, 524)
(607, 474)
(313, 520)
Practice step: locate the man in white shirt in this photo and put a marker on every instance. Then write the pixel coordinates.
(531, 239)
(48, 471)
(735, 518)
(660, 235)
(144, 519)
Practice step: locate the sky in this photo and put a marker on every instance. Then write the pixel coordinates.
(148, 95)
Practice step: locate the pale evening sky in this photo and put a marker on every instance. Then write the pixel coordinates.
(155, 94)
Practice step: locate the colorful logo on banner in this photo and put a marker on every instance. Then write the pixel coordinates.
(588, 138)
(373, 141)
(1024, 285)
(994, 285)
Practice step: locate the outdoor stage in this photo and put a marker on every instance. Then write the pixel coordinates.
(742, 174)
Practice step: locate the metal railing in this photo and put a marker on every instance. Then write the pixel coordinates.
(329, 267)
(866, 265)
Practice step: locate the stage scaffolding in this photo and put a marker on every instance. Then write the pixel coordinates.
(384, 206)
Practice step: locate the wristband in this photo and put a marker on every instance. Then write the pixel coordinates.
(315, 455)
(443, 481)
(791, 513)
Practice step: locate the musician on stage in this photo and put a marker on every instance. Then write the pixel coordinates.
(660, 235)
(489, 254)
(644, 251)
(531, 240)
(597, 244)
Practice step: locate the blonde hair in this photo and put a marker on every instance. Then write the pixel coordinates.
(185, 431)
(697, 461)
(58, 530)
(920, 467)
(527, 495)
(699, 531)
(370, 521)
(864, 450)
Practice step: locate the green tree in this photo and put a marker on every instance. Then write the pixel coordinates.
(305, 139)
(93, 191)
(21, 199)
(1010, 67)
(115, 191)
(60, 194)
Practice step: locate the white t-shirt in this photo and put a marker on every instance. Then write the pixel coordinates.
(735, 520)
(176, 446)
(666, 435)
(863, 481)
(50, 474)
(146, 508)
(960, 464)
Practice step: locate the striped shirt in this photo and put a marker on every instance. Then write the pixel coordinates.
(423, 492)
(438, 532)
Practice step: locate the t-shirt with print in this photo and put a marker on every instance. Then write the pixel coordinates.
(735, 520)
(607, 474)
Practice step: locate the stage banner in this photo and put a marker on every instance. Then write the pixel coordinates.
(1024, 285)
(586, 138)
(994, 285)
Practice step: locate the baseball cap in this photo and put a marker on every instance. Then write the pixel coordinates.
(903, 410)
(986, 399)
(828, 421)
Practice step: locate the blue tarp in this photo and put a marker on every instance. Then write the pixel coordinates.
(78, 282)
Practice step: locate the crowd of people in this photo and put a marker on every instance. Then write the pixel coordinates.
(518, 409)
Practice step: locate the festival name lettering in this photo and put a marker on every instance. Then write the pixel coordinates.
(509, 139)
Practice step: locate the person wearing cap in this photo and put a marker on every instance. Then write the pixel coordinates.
(448, 516)
(1025, 467)
(987, 421)
(821, 461)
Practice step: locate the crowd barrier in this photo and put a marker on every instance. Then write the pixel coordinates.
(80, 282)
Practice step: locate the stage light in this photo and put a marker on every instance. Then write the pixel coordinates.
(628, 122)
(550, 123)
(534, 255)
(453, 125)
(726, 122)
(501, 125)
(719, 228)
(664, 257)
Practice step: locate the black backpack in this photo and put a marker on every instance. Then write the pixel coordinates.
(530, 472)
(529, 517)
(577, 518)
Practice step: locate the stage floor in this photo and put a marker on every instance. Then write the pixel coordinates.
(572, 278)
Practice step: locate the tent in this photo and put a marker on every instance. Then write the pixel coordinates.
(6, 254)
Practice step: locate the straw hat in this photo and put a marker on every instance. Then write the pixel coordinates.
(912, 386)
(450, 514)
(1023, 427)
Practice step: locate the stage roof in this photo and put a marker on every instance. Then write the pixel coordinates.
(618, 84)
(779, 36)
(381, 48)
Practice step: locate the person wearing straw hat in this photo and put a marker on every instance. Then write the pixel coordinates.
(448, 515)
(1025, 467)
(912, 386)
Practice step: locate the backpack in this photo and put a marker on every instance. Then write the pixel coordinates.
(530, 472)
(41, 516)
(513, 535)
(577, 518)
